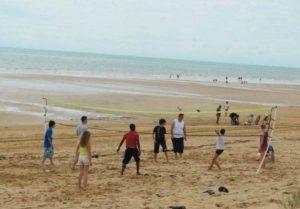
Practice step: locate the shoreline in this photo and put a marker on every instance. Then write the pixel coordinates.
(208, 80)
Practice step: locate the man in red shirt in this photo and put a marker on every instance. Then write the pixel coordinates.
(133, 148)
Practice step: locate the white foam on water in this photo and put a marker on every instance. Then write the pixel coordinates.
(54, 112)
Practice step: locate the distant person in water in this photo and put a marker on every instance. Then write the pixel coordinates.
(48, 143)
(219, 148)
(178, 76)
(226, 79)
(226, 108)
(218, 114)
(79, 131)
(133, 148)
(159, 139)
(178, 135)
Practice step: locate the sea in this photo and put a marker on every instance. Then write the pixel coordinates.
(32, 61)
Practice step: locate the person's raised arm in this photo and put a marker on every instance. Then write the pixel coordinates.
(120, 145)
(217, 132)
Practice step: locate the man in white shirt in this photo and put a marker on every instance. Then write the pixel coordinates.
(226, 108)
(178, 135)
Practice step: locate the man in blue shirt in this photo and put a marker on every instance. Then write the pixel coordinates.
(48, 153)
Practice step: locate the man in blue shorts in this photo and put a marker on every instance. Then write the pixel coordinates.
(48, 145)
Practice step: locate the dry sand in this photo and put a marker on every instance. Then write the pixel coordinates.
(24, 184)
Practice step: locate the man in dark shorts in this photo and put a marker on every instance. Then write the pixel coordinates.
(159, 138)
(178, 135)
(133, 149)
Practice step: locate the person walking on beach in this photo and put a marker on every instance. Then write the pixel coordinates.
(85, 158)
(133, 148)
(178, 134)
(219, 148)
(79, 131)
(159, 139)
(48, 143)
(218, 114)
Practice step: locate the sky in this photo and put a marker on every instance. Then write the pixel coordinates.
(263, 32)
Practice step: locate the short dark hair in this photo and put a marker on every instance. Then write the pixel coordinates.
(180, 115)
(162, 121)
(51, 123)
(83, 118)
(263, 126)
(222, 131)
(132, 127)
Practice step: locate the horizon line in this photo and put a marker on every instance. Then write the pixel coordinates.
(148, 57)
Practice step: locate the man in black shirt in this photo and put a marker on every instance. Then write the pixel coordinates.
(159, 138)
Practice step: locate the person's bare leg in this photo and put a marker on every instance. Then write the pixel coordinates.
(218, 119)
(217, 164)
(176, 156)
(81, 170)
(264, 162)
(85, 175)
(51, 162)
(123, 169)
(213, 162)
(273, 157)
(43, 162)
(138, 168)
(166, 155)
(155, 157)
(75, 162)
(180, 155)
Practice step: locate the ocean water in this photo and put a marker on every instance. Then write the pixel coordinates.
(30, 61)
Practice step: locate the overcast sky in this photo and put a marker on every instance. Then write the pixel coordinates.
(265, 32)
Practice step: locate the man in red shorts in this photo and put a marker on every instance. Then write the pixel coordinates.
(133, 149)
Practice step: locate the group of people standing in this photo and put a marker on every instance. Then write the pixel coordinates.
(83, 154)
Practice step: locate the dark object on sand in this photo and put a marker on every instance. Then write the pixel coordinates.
(198, 110)
(95, 156)
(177, 207)
(234, 119)
(209, 191)
(223, 189)
(2, 157)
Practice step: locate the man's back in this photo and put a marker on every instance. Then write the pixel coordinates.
(131, 138)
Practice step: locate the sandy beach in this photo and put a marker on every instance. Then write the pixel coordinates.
(113, 104)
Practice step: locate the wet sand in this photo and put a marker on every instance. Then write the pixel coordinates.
(24, 184)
